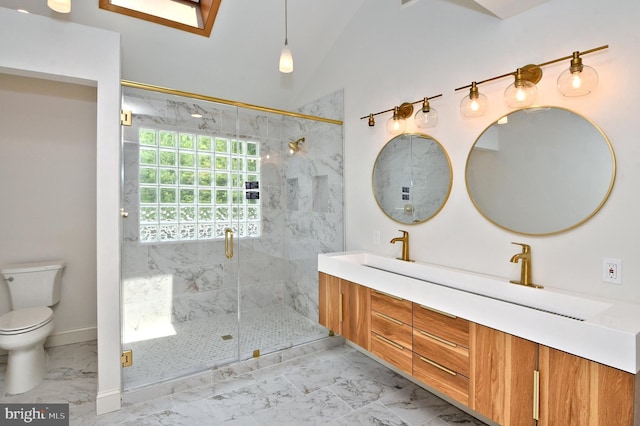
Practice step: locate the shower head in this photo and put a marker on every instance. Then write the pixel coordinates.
(294, 146)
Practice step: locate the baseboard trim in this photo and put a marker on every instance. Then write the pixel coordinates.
(72, 336)
(68, 337)
(107, 402)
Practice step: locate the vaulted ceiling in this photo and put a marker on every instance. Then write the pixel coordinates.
(245, 43)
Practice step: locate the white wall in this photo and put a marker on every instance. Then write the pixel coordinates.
(238, 62)
(47, 184)
(389, 55)
(87, 56)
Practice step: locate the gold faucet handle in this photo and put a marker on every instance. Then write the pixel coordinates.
(526, 248)
(404, 233)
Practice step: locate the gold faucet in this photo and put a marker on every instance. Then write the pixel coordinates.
(525, 261)
(405, 245)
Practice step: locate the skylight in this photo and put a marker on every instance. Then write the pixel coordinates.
(196, 16)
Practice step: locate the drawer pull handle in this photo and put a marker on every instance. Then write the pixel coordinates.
(388, 295)
(536, 395)
(388, 318)
(394, 344)
(435, 364)
(436, 338)
(340, 312)
(438, 312)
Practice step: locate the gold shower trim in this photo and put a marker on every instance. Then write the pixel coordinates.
(144, 86)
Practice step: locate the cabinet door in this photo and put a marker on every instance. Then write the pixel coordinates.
(329, 302)
(356, 313)
(502, 368)
(575, 391)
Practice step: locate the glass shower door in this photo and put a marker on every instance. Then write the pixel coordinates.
(179, 277)
(219, 253)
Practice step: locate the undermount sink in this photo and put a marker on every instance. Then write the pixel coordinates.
(496, 288)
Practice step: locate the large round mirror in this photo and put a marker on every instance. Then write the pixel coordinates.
(412, 178)
(540, 171)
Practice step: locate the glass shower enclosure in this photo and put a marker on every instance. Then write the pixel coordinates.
(224, 221)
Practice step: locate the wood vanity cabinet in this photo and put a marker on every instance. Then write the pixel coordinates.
(391, 330)
(576, 391)
(344, 308)
(441, 352)
(510, 380)
(502, 379)
(570, 390)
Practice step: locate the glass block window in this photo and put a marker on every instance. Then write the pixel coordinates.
(192, 187)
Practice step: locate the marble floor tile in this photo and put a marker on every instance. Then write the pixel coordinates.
(373, 414)
(415, 405)
(338, 386)
(316, 408)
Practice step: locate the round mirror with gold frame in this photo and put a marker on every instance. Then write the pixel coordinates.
(412, 178)
(540, 171)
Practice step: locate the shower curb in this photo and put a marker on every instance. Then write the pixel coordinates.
(224, 372)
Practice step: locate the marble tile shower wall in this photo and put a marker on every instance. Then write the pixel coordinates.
(314, 184)
(169, 282)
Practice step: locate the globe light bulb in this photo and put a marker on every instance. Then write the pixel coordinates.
(520, 93)
(425, 120)
(578, 79)
(396, 124)
(474, 105)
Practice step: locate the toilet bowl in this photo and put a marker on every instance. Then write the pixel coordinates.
(33, 287)
(22, 333)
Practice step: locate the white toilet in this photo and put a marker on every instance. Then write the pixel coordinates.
(33, 287)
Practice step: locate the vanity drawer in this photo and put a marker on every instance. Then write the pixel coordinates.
(441, 378)
(391, 328)
(450, 355)
(441, 324)
(392, 352)
(395, 307)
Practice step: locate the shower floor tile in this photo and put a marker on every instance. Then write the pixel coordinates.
(203, 344)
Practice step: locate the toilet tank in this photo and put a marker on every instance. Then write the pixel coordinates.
(34, 284)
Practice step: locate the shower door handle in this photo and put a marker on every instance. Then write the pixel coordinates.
(228, 243)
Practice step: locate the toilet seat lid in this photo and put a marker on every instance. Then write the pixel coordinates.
(21, 320)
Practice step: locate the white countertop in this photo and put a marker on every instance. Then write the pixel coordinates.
(600, 330)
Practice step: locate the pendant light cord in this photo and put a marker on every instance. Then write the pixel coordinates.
(286, 33)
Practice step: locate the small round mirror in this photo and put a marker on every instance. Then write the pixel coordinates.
(540, 171)
(412, 178)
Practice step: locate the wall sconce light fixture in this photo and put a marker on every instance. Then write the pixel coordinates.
(578, 80)
(426, 117)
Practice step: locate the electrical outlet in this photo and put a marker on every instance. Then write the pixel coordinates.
(376, 238)
(612, 271)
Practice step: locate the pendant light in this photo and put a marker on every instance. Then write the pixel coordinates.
(426, 116)
(60, 6)
(578, 79)
(521, 92)
(286, 59)
(474, 105)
